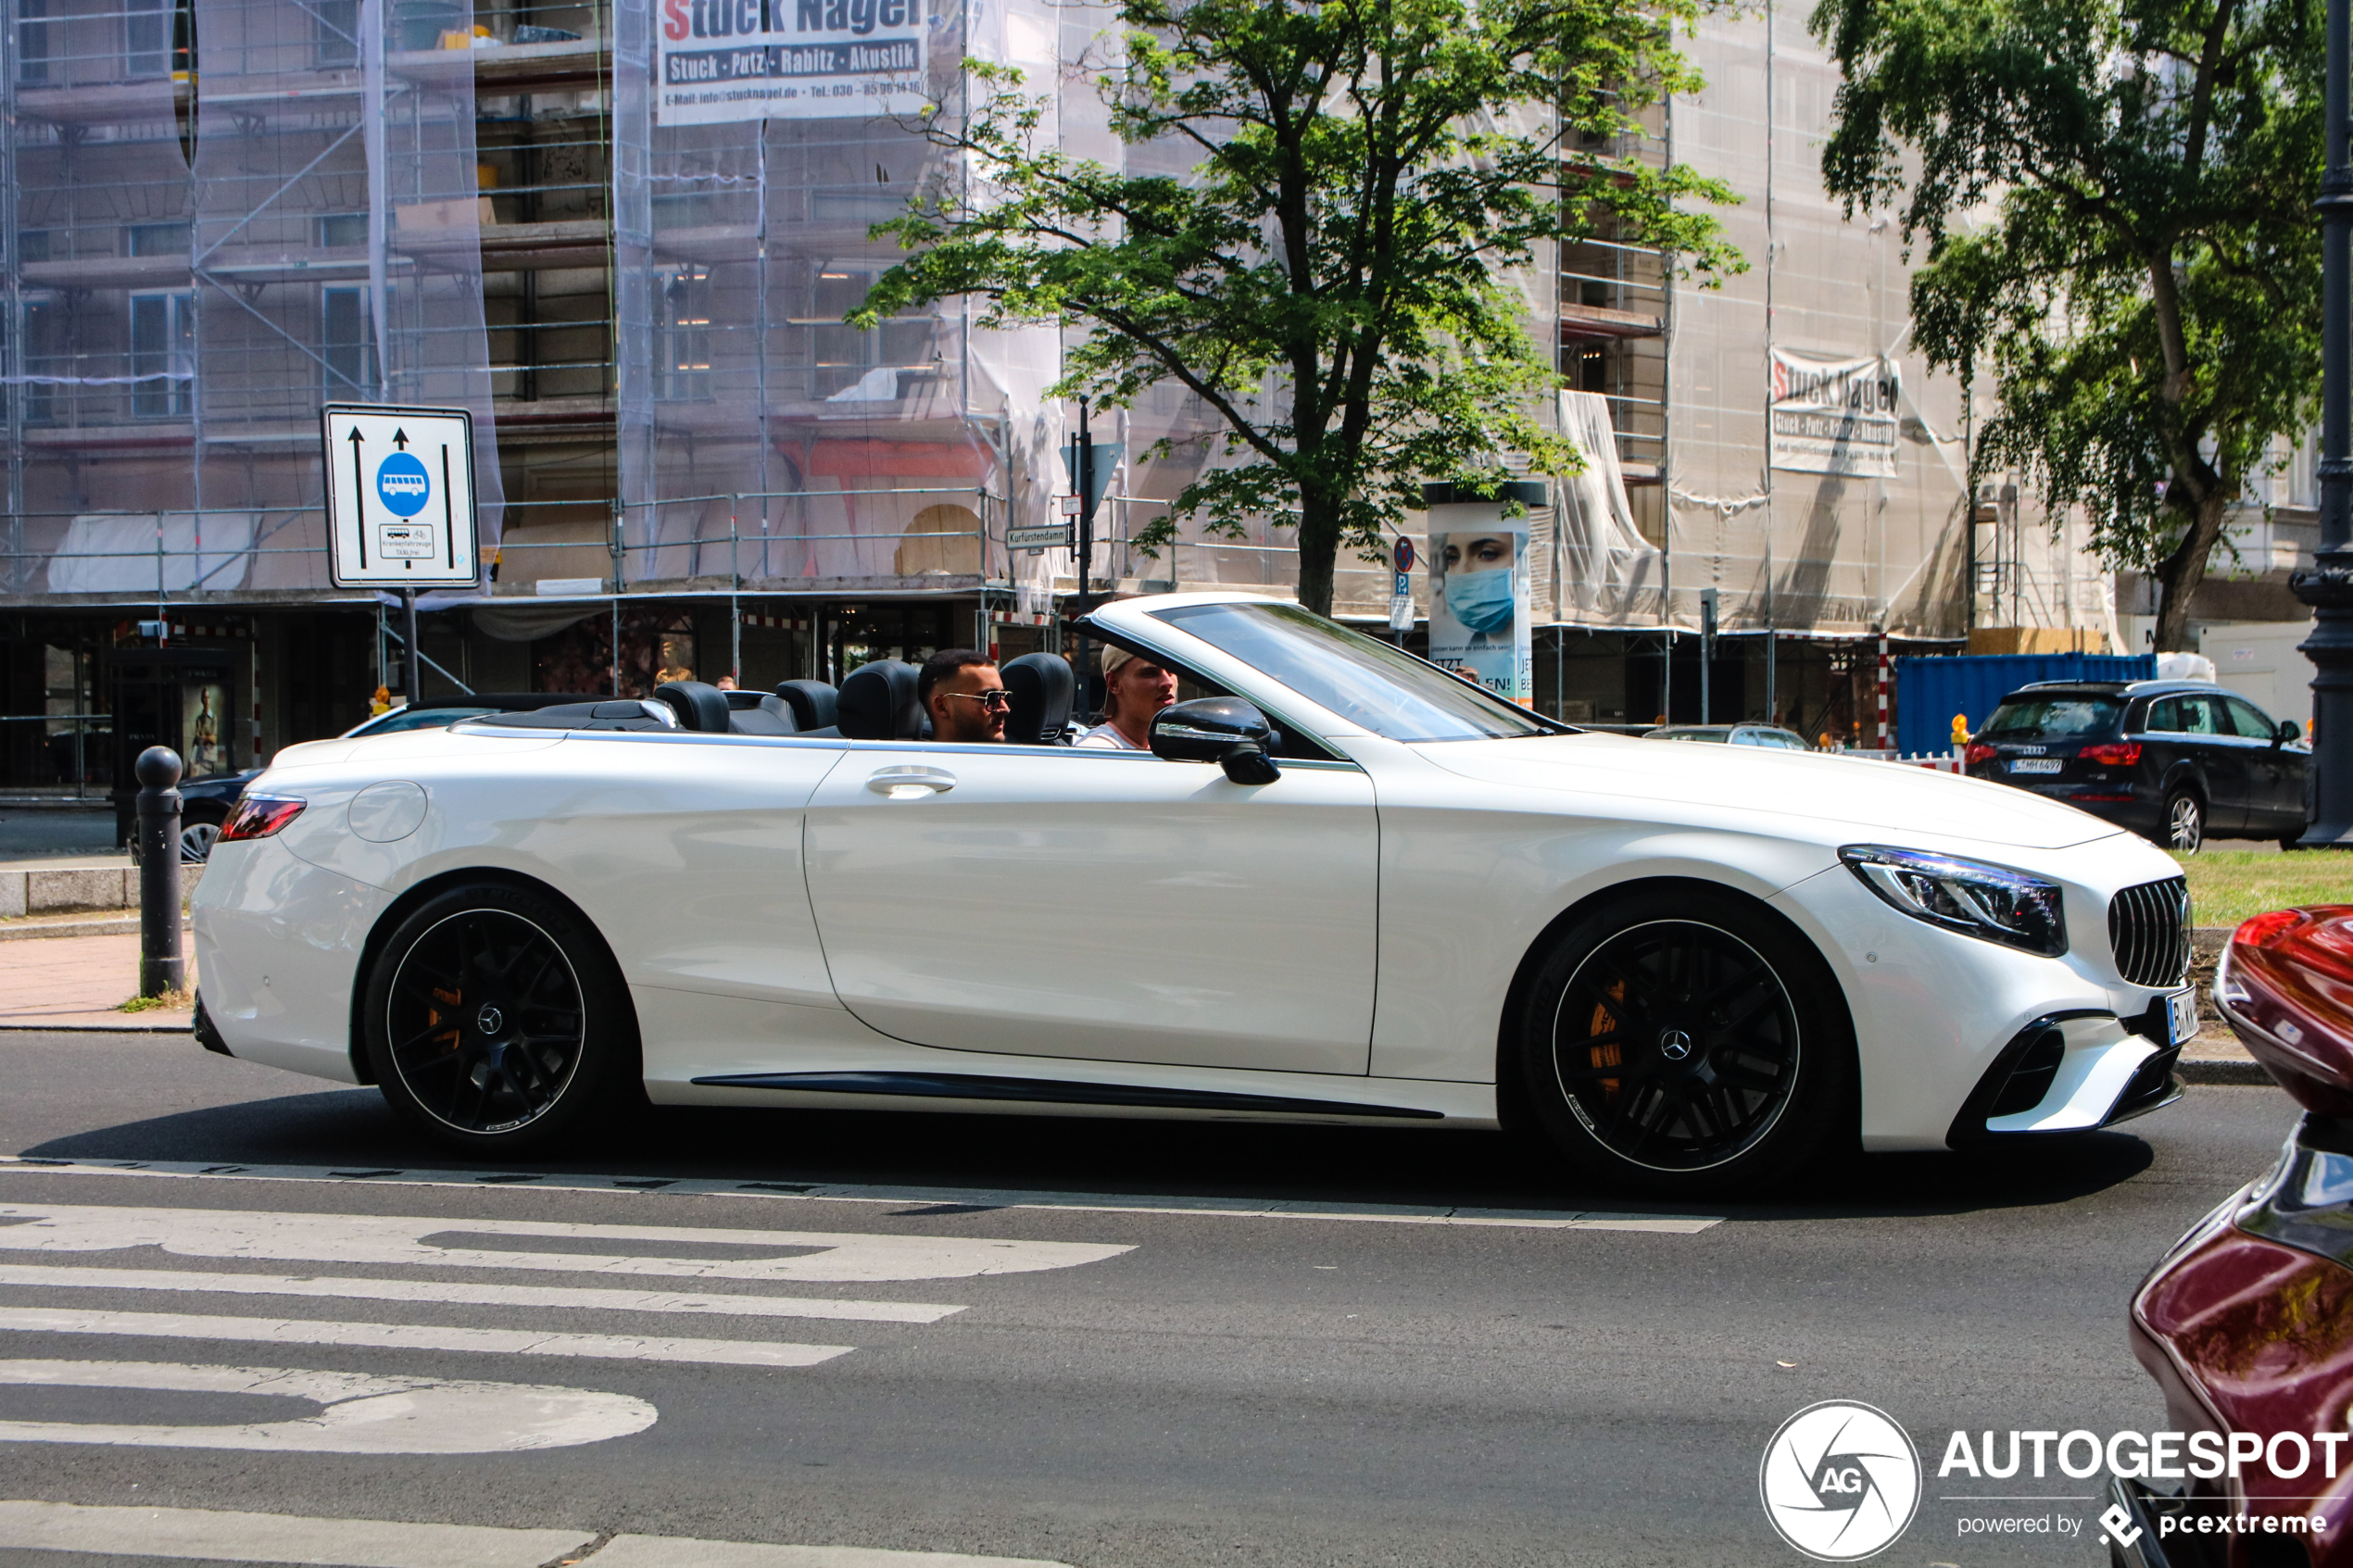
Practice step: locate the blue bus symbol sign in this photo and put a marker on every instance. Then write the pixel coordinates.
(403, 484)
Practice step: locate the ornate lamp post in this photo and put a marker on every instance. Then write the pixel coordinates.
(2328, 586)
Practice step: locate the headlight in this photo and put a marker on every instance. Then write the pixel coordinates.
(1992, 902)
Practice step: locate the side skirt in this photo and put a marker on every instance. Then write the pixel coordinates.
(1049, 1091)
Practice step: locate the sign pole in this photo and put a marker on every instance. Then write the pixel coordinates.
(2327, 584)
(1086, 477)
(414, 662)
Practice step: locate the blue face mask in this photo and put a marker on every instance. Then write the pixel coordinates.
(1482, 601)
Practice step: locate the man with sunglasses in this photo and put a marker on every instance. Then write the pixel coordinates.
(965, 697)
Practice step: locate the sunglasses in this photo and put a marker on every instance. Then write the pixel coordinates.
(995, 702)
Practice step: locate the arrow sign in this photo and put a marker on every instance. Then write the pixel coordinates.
(359, 488)
(400, 439)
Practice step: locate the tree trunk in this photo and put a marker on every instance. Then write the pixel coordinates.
(1319, 548)
(2179, 574)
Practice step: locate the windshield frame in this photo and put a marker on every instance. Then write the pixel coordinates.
(1371, 656)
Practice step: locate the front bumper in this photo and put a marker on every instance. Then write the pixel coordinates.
(2127, 803)
(2071, 1073)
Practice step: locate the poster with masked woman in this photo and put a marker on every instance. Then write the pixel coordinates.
(1479, 609)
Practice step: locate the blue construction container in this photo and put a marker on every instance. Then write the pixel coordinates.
(1929, 691)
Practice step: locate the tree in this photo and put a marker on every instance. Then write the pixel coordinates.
(1326, 279)
(2144, 288)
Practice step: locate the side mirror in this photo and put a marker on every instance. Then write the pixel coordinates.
(1223, 730)
(2290, 733)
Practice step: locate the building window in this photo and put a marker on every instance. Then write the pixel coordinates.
(335, 32)
(42, 362)
(157, 239)
(346, 343)
(32, 41)
(337, 229)
(684, 323)
(163, 354)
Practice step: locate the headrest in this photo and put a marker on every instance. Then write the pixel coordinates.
(877, 702)
(698, 706)
(813, 704)
(759, 713)
(1041, 686)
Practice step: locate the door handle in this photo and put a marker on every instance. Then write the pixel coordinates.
(911, 783)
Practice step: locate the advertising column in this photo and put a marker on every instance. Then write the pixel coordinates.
(1481, 613)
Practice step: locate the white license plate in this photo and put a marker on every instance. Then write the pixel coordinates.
(2181, 1013)
(2036, 765)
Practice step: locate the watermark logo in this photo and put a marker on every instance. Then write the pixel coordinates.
(1840, 1481)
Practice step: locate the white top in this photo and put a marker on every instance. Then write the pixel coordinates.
(1106, 738)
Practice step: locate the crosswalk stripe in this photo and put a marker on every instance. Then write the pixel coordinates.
(278, 1537)
(679, 1552)
(470, 1293)
(211, 1536)
(417, 1336)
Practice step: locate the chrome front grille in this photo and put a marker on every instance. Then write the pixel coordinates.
(2148, 927)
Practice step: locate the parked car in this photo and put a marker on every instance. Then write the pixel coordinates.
(2248, 1323)
(206, 804)
(1770, 736)
(1688, 970)
(2178, 761)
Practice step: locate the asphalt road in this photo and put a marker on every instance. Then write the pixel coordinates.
(1360, 1380)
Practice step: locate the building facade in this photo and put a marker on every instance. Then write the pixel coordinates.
(219, 214)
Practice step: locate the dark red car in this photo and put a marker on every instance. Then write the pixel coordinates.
(2248, 1323)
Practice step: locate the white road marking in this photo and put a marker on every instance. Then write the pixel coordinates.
(417, 1336)
(679, 1552)
(278, 1537)
(834, 1192)
(378, 1238)
(363, 1415)
(377, 1543)
(473, 1293)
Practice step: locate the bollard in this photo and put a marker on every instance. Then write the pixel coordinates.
(161, 968)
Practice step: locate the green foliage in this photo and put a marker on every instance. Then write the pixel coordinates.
(2116, 197)
(1326, 279)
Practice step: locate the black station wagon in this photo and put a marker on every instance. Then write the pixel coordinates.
(2176, 760)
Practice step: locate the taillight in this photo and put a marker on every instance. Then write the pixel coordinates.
(1978, 752)
(259, 816)
(2115, 754)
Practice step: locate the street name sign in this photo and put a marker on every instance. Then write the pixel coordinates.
(400, 496)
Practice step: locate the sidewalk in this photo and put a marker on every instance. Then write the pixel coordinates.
(79, 982)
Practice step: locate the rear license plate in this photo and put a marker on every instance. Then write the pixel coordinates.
(2181, 1013)
(2037, 765)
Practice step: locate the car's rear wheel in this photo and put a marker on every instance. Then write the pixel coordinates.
(196, 839)
(1685, 1043)
(2184, 822)
(496, 1022)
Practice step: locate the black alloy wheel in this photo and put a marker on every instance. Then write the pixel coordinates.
(1683, 1053)
(2184, 822)
(496, 1021)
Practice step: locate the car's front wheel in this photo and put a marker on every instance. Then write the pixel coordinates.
(1685, 1043)
(2184, 822)
(496, 1022)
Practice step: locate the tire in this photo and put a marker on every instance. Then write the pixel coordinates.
(1730, 1058)
(497, 1023)
(2184, 822)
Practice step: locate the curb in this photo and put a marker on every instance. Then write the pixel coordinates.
(113, 925)
(126, 1027)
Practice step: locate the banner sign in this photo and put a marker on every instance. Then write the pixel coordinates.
(1834, 416)
(1482, 616)
(720, 60)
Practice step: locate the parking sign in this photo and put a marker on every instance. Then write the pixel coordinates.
(400, 496)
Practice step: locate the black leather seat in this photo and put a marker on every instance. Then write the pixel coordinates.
(815, 706)
(699, 705)
(877, 702)
(1041, 689)
(759, 713)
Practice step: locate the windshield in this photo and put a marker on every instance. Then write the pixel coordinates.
(1366, 682)
(2055, 718)
(416, 719)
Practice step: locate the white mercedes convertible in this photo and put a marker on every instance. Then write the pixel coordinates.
(1342, 886)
